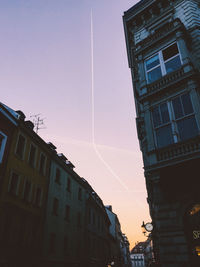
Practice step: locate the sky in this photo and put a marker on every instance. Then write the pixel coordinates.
(78, 79)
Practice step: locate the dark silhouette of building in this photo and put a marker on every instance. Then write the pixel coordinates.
(163, 46)
(49, 215)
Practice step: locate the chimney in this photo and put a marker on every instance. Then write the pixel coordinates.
(29, 124)
(51, 146)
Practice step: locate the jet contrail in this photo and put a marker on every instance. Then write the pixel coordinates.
(93, 123)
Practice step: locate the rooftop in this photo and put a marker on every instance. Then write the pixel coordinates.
(138, 7)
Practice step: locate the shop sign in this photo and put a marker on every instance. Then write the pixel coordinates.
(196, 234)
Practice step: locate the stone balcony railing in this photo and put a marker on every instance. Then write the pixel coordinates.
(168, 81)
(178, 150)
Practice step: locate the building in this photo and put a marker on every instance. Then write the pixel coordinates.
(49, 215)
(125, 251)
(8, 123)
(142, 254)
(163, 46)
(116, 239)
(24, 187)
(97, 224)
(64, 227)
(148, 252)
(137, 255)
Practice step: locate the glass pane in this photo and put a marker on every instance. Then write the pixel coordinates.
(170, 51)
(154, 75)
(187, 104)
(178, 110)
(156, 117)
(152, 62)
(164, 113)
(187, 128)
(164, 136)
(173, 64)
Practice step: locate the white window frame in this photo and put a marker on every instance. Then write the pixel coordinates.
(172, 120)
(3, 146)
(161, 61)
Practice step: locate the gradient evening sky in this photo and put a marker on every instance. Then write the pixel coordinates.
(45, 67)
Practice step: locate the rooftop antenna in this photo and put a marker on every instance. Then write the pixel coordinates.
(38, 122)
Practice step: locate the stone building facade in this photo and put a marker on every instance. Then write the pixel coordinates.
(23, 192)
(97, 242)
(163, 46)
(64, 230)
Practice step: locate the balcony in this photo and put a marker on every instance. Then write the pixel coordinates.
(169, 80)
(179, 150)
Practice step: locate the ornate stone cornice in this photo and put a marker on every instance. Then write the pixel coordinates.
(164, 31)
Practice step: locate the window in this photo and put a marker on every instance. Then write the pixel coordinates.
(27, 191)
(3, 139)
(32, 155)
(14, 182)
(20, 146)
(68, 185)
(174, 121)
(79, 219)
(67, 213)
(38, 197)
(58, 174)
(162, 63)
(42, 163)
(55, 206)
(79, 194)
(52, 241)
